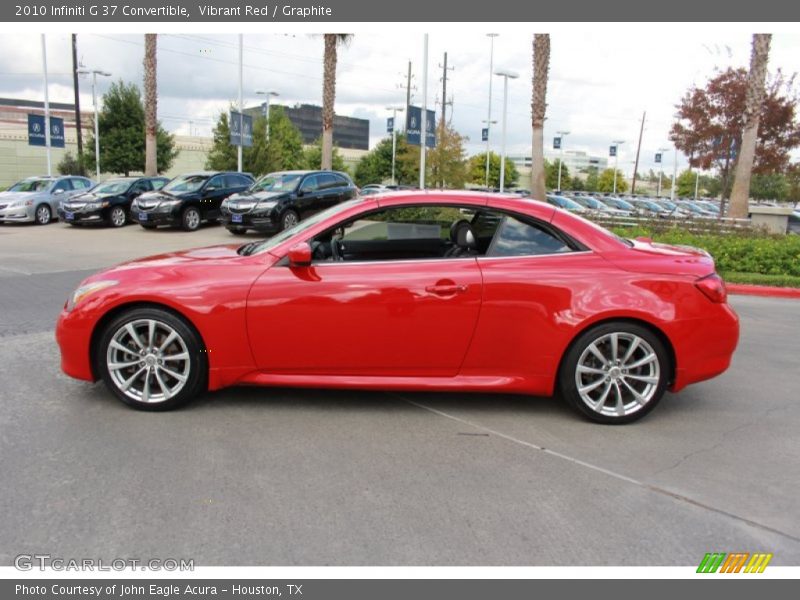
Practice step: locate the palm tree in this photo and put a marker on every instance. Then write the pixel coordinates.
(752, 115)
(332, 41)
(150, 106)
(541, 64)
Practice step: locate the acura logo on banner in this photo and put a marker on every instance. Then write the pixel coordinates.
(414, 121)
(36, 133)
(557, 143)
(245, 137)
(485, 134)
(390, 125)
(612, 151)
(658, 157)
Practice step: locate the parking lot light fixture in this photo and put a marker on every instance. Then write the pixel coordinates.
(506, 75)
(269, 94)
(94, 73)
(661, 168)
(488, 120)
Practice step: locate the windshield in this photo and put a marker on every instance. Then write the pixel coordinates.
(187, 183)
(31, 185)
(276, 182)
(567, 203)
(284, 235)
(112, 187)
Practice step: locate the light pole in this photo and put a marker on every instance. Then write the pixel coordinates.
(488, 120)
(395, 110)
(562, 135)
(269, 94)
(241, 107)
(617, 144)
(505, 74)
(46, 106)
(661, 168)
(423, 129)
(94, 73)
(674, 175)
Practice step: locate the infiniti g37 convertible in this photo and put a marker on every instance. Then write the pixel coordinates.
(411, 291)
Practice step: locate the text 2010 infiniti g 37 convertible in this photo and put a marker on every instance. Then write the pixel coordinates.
(412, 291)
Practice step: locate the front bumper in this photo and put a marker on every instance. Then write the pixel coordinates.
(74, 335)
(81, 216)
(156, 217)
(267, 221)
(19, 214)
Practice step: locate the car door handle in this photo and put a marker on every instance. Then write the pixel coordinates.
(450, 289)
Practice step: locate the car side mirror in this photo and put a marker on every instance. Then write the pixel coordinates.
(300, 193)
(211, 188)
(59, 191)
(300, 255)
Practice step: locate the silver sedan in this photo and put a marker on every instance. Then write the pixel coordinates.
(36, 199)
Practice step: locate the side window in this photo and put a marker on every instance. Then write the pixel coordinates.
(327, 181)
(141, 186)
(157, 184)
(64, 185)
(310, 184)
(217, 182)
(342, 181)
(516, 238)
(79, 184)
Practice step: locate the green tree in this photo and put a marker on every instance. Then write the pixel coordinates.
(376, 165)
(551, 175)
(605, 181)
(71, 165)
(773, 186)
(122, 134)
(312, 157)
(477, 170)
(576, 183)
(447, 161)
(684, 185)
(592, 180)
(793, 183)
(284, 151)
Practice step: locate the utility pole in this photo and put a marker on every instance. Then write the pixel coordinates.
(489, 121)
(445, 69)
(241, 109)
(638, 149)
(423, 130)
(76, 89)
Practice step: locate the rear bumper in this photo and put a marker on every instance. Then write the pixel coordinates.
(707, 346)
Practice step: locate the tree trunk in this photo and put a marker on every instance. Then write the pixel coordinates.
(541, 64)
(328, 98)
(752, 115)
(150, 106)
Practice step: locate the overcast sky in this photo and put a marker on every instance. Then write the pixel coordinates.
(600, 83)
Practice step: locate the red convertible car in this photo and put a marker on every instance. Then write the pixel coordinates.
(411, 291)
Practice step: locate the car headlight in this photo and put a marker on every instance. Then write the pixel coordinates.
(166, 204)
(266, 204)
(96, 205)
(88, 289)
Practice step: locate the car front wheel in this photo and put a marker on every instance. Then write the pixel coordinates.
(117, 217)
(615, 372)
(190, 221)
(43, 214)
(151, 359)
(289, 219)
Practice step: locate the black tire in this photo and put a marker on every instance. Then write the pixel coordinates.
(191, 219)
(647, 382)
(289, 218)
(43, 214)
(237, 230)
(196, 378)
(115, 219)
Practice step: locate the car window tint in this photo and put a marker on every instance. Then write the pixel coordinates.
(157, 184)
(64, 184)
(218, 182)
(310, 184)
(341, 181)
(141, 186)
(79, 184)
(327, 181)
(516, 238)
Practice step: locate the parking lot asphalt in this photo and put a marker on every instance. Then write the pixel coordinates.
(249, 476)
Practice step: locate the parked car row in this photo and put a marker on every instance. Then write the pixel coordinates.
(274, 202)
(622, 205)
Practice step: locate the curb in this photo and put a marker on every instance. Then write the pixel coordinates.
(762, 290)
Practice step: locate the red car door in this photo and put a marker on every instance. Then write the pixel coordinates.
(388, 318)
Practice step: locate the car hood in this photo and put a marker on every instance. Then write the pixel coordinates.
(182, 257)
(257, 196)
(160, 196)
(90, 196)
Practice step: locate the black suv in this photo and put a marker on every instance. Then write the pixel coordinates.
(188, 200)
(108, 202)
(280, 200)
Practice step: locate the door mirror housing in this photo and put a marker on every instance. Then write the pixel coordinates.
(58, 191)
(300, 255)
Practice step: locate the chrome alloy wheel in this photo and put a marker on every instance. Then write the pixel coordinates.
(117, 216)
(192, 219)
(289, 220)
(617, 374)
(148, 360)
(43, 214)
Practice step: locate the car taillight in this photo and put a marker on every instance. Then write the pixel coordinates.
(713, 287)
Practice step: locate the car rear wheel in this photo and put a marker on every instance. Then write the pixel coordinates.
(43, 214)
(190, 220)
(289, 219)
(117, 216)
(151, 359)
(615, 372)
